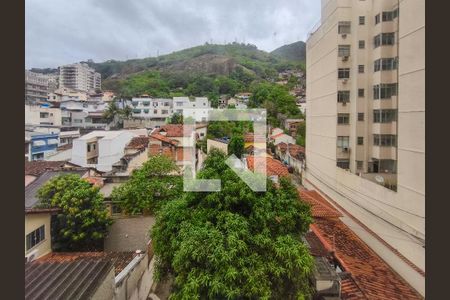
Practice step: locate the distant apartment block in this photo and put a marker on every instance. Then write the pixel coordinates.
(79, 77)
(158, 109)
(41, 116)
(36, 87)
(365, 133)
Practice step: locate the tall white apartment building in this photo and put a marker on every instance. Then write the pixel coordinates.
(365, 133)
(36, 87)
(79, 77)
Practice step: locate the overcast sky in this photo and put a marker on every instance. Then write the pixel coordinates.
(66, 31)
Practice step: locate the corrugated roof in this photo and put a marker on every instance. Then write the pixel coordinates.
(77, 279)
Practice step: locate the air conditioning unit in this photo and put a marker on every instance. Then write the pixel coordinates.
(344, 35)
(344, 80)
(344, 103)
(31, 256)
(344, 58)
(346, 149)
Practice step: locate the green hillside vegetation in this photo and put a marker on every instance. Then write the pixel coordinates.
(295, 51)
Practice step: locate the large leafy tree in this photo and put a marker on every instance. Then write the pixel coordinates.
(82, 221)
(156, 182)
(235, 243)
(111, 111)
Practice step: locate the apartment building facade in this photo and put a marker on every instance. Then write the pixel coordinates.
(365, 133)
(36, 87)
(79, 77)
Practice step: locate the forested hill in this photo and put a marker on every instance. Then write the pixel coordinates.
(295, 51)
(210, 59)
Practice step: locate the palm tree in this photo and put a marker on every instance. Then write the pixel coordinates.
(111, 111)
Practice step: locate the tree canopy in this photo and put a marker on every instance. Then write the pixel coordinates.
(234, 243)
(156, 182)
(83, 220)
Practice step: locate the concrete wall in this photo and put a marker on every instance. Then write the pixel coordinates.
(112, 150)
(218, 145)
(136, 280)
(33, 222)
(141, 123)
(33, 115)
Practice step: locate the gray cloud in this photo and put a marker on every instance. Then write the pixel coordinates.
(65, 31)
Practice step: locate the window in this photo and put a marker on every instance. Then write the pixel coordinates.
(344, 27)
(343, 50)
(343, 141)
(377, 19)
(377, 65)
(384, 115)
(385, 64)
(362, 20)
(146, 103)
(136, 111)
(88, 148)
(360, 92)
(164, 111)
(359, 165)
(360, 116)
(179, 103)
(388, 16)
(43, 115)
(360, 140)
(155, 111)
(93, 146)
(35, 237)
(362, 44)
(344, 73)
(343, 163)
(385, 140)
(146, 111)
(384, 90)
(77, 120)
(360, 68)
(383, 39)
(343, 96)
(343, 119)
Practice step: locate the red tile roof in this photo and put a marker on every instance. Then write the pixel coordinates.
(372, 275)
(173, 130)
(366, 275)
(38, 167)
(282, 146)
(95, 181)
(273, 166)
(296, 150)
(164, 138)
(277, 135)
(320, 208)
(139, 143)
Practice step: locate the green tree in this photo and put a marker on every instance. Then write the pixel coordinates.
(176, 118)
(111, 111)
(148, 187)
(236, 145)
(235, 243)
(301, 134)
(82, 222)
(126, 112)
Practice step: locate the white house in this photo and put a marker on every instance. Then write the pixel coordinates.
(197, 109)
(100, 149)
(278, 136)
(152, 108)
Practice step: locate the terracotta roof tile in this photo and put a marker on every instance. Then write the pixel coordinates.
(273, 166)
(173, 130)
(374, 277)
(139, 143)
(320, 208)
(38, 167)
(164, 138)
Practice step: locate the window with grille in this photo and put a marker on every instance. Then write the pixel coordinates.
(343, 96)
(362, 20)
(344, 73)
(360, 68)
(383, 39)
(359, 164)
(343, 141)
(343, 50)
(343, 163)
(360, 116)
(377, 19)
(344, 27)
(384, 115)
(360, 140)
(384, 90)
(362, 44)
(360, 92)
(343, 119)
(385, 140)
(35, 237)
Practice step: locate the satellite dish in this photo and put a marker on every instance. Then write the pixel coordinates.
(379, 179)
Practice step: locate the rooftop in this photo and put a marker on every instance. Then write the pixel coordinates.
(38, 167)
(273, 166)
(171, 130)
(365, 274)
(138, 143)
